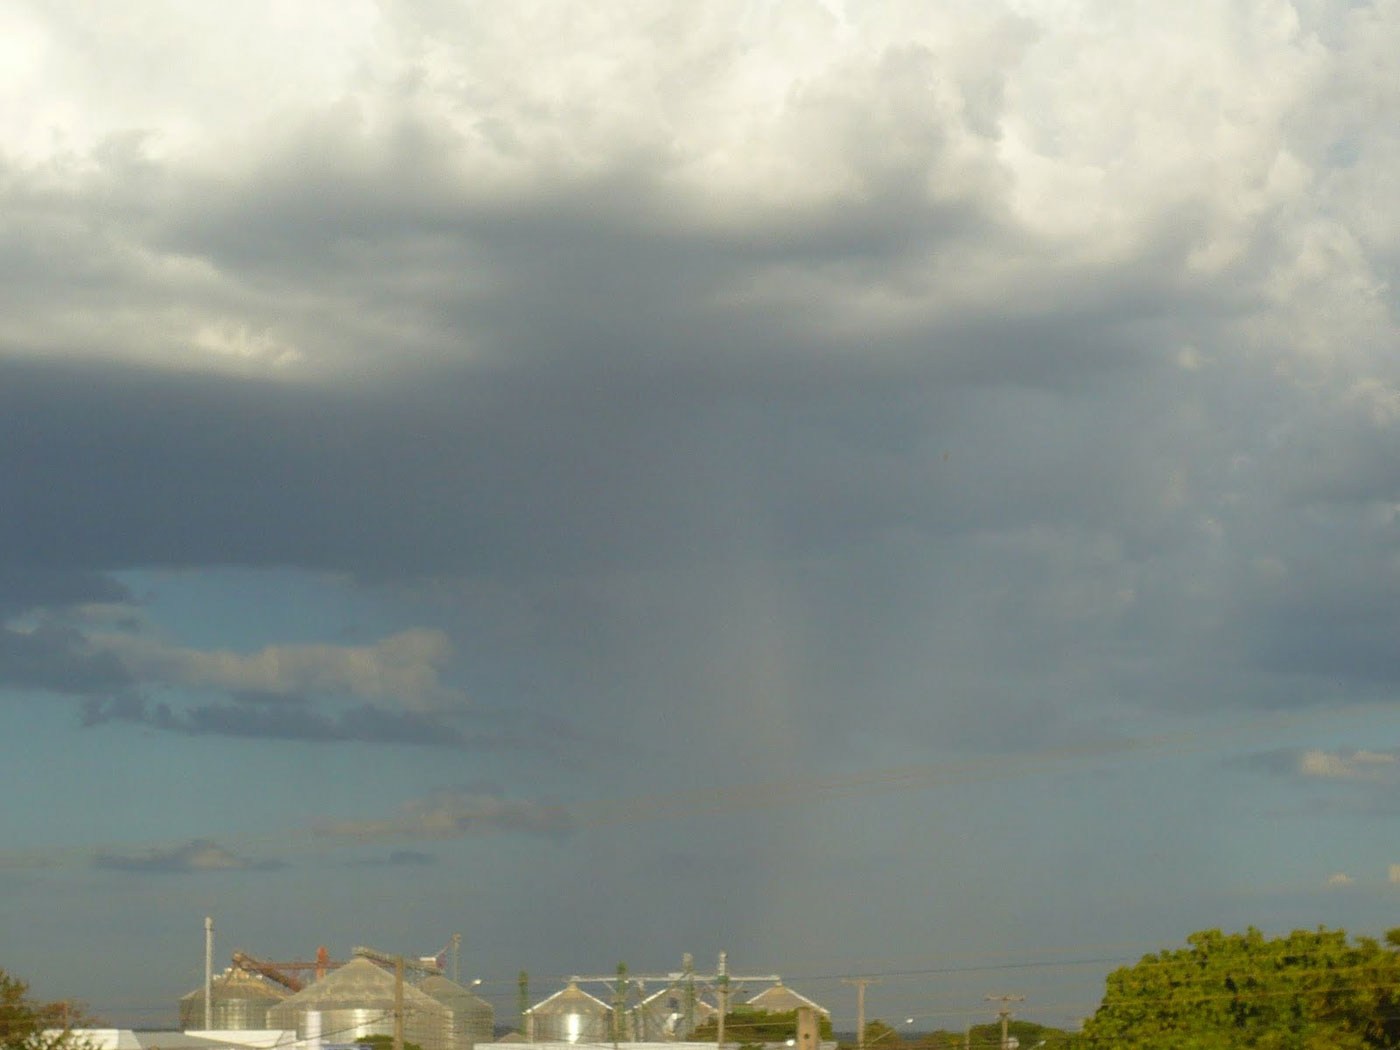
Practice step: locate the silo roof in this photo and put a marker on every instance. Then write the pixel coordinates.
(240, 984)
(451, 993)
(573, 995)
(780, 999)
(359, 984)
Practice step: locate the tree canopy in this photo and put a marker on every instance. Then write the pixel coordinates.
(757, 1026)
(29, 1025)
(1305, 991)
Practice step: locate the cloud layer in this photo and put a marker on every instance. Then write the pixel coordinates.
(195, 857)
(628, 404)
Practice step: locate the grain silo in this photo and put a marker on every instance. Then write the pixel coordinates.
(662, 1016)
(781, 999)
(472, 1019)
(240, 1002)
(357, 1000)
(569, 1016)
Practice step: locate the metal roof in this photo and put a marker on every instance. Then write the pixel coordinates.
(359, 984)
(780, 999)
(234, 983)
(450, 993)
(131, 1039)
(573, 996)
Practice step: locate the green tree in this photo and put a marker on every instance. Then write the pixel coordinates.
(1310, 990)
(756, 1026)
(878, 1032)
(1028, 1034)
(384, 1042)
(29, 1025)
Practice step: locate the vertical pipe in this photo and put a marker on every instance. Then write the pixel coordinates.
(398, 1003)
(208, 972)
(688, 1009)
(722, 979)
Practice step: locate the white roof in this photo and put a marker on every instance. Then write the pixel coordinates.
(133, 1039)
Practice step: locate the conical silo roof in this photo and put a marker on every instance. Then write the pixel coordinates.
(357, 1000)
(781, 999)
(240, 1000)
(571, 997)
(358, 984)
(473, 1018)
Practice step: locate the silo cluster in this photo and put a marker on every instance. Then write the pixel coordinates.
(349, 1003)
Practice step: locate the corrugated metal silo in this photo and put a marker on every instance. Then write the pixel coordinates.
(570, 1016)
(473, 1019)
(240, 1002)
(782, 999)
(661, 1016)
(357, 1000)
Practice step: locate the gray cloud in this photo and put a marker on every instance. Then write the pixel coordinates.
(24, 588)
(455, 814)
(742, 391)
(54, 657)
(286, 721)
(198, 856)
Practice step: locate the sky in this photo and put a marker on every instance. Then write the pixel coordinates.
(874, 487)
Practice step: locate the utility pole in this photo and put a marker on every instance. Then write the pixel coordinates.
(688, 1001)
(1005, 1012)
(619, 1003)
(860, 983)
(722, 981)
(457, 958)
(398, 1003)
(208, 972)
(524, 1002)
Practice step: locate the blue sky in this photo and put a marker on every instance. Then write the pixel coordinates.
(891, 488)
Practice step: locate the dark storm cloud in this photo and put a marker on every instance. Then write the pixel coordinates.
(199, 856)
(623, 410)
(637, 390)
(27, 587)
(56, 658)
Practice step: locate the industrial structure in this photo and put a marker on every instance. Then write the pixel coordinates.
(781, 999)
(570, 1015)
(626, 1011)
(322, 1004)
(472, 1019)
(239, 1002)
(362, 999)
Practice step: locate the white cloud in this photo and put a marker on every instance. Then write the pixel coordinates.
(1349, 765)
(404, 667)
(454, 814)
(240, 342)
(1078, 135)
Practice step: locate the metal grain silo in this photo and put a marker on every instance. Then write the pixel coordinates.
(240, 1002)
(662, 1016)
(473, 1019)
(357, 1000)
(782, 999)
(569, 1016)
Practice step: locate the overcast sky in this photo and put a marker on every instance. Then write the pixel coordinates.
(873, 487)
